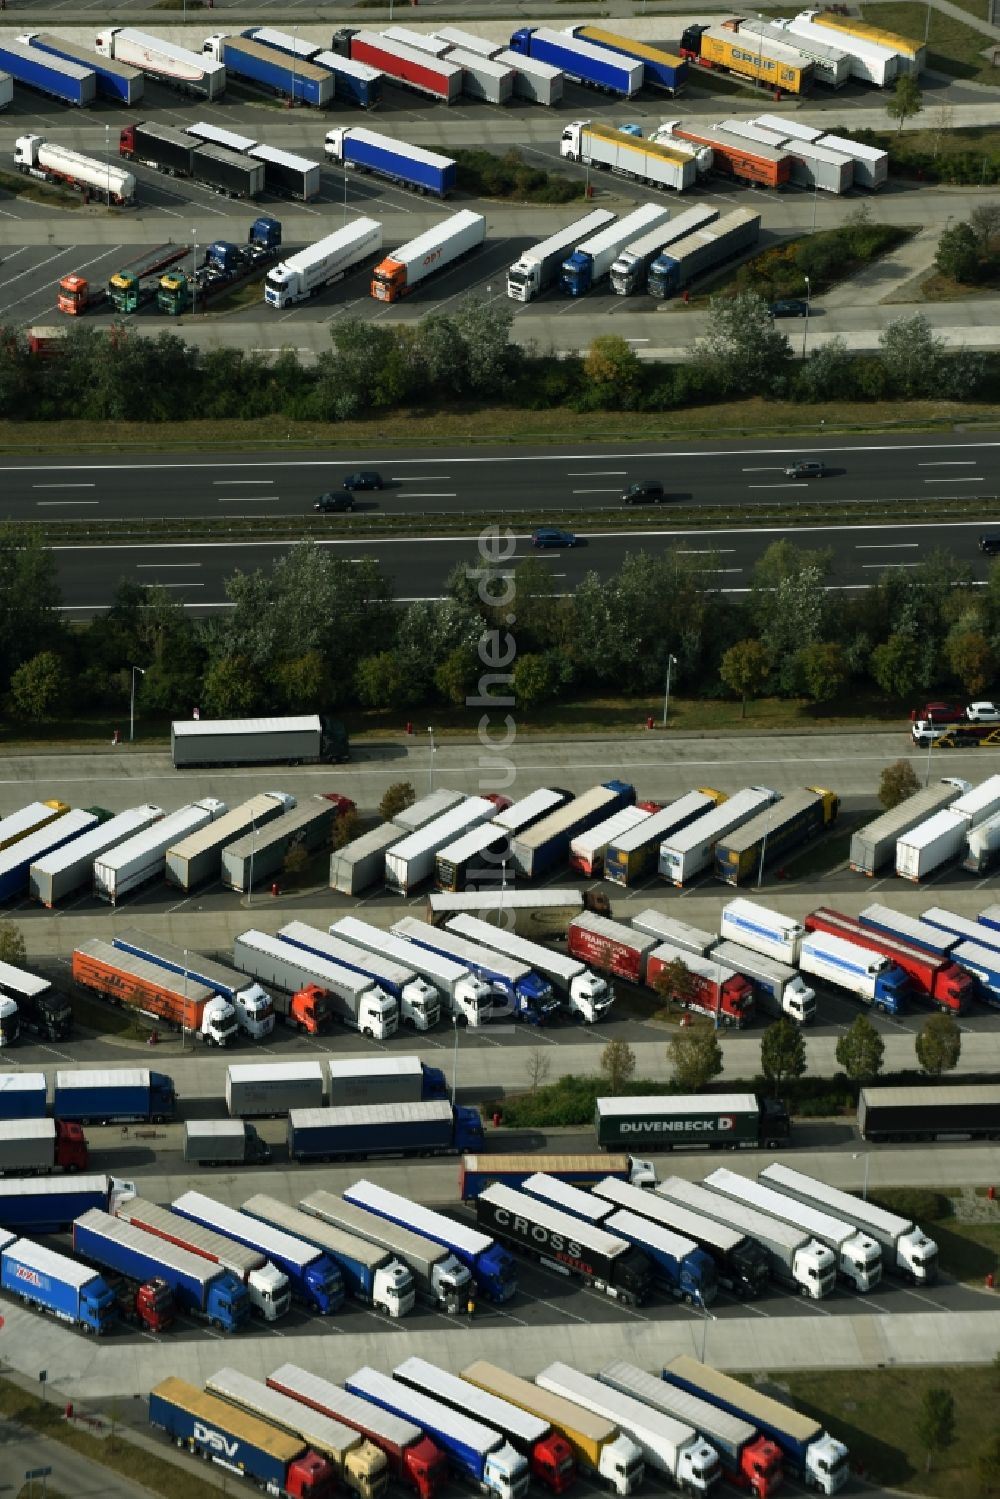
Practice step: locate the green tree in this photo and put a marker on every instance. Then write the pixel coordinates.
(828, 373)
(744, 669)
(905, 101)
(824, 670)
(12, 948)
(676, 983)
(898, 782)
(484, 329)
(972, 659)
(959, 253)
(617, 1065)
(395, 799)
(782, 1051)
(743, 349)
(695, 1055)
(346, 828)
(988, 1467)
(29, 598)
(938, 1045)
(304, 682)
(612, 364)
(860, 1050)
(912, 355)
(455, 677)
(39, 685)
(984, 221)
(935, 1424)
(897, 665)
(295, 860)
(381, 680)
(229, 687)
(535, 680)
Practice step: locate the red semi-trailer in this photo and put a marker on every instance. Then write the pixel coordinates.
(941, 981)
(610, 946)
(418, 70)
(718, 991)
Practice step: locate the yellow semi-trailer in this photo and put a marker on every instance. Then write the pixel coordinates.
(913, 55)
(598, 1446)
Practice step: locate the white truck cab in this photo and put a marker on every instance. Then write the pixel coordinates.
(270, 1293)
(218, 1022)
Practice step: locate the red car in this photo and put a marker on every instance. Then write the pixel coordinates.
(939, 712)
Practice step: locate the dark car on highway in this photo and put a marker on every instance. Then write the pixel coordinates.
(335, 499)
(789, 307)
(551, 536)
(989, 544)
(643, 492)
(365, 478)
(806, 468)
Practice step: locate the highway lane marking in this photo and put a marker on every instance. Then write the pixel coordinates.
(612, 490)
(47, 504)
(244, 481)
(950, 463)
(247, 499)
(881, 566)
(146, 566)
(886, 546)
(597, 473)
(424, 495)
(704, 552)
(561, 1311)
(413, 478)
(979, 480)
(793, 485)
(90, 484)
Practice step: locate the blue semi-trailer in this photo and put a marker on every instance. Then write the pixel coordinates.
(48, 1205)
(23, 1095)
(387, 1129)
(356, 82)
(313, 1277)
(361, 150)
(492, 1267)
(115, 80)
(288, 77)
(53, 1283)
(597, 67)
(63, 80)
(122, 1095)
(199, 1286)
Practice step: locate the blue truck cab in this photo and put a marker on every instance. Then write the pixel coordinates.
(114, 1096)
(312, 1276)
(56, 1284)
(265, 233)
(678, 1263)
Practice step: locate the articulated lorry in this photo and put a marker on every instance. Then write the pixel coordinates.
(525, 994)
(114, 80)
(749, 1460)
(593, 258)
(251, 1004)
(582, 61)
(874, 845)
(682, 262)
(313, 1278)
(438, 1276)
(273, 72)
(311, 271)
(801, 815)
(542, 915)
(493, 1269)
(778, 990)
(173, 1000)
(481, 1171)
(419, 1004)
(859, 1256)
(348, 996)
(582, 994)
(266, 1286)
(143, 857)
(41, 1008)
(537, 268)
(56, 76)
(660, 69)
(600, 1259)
(587, 849)
(630, 858)
(384, 1080)
(193, 73)
(269, 1089)
(391, 1129)
(16, 861)
(209, 1428)
(434, 250)
(932, 975)
(548, 1455)
(365, 151)
(23, 1095)
(741, 1265)
(411, 67)
(114, 1095)
(307, 739)
(809, 1451)
(630, 272)
(466, 996)
(34, 156)
(358, 1464)
(65, 870)
(392, 964)
(259, 856)
(411, 1457)
(654, 163)
(49, 1282)
(962, 1111)
(49, 1205)
(199, 1287)
(36, 1147)
(765, 931)
(598, 1447)
(545, 844)
(197, 857)
(868, 975)
(796, 1258)
(370, 1275)
(224, 1142)
(730, 1121)
(481, 1455)
(709, 986)
(668, 1446)
(906, 1249)
(690, 850)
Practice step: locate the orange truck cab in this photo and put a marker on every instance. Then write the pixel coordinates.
(309, 1010)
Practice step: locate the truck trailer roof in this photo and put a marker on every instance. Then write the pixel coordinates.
(558, 1411)
(420, 1219)
(689, 1103)
(756, 1404)
(227, 1220)
(589, 1235)
(48, 1262)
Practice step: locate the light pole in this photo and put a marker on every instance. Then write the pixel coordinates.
(194, 269)
(430, 762)
(815, 201)
(107, 163)
(867, 1160)
(131, 711)
(927, 23)
(253, 850)
(930, 746)
(706, 1318)
(671, 662)
(454, 1061)
(805, 325)
(763, 846)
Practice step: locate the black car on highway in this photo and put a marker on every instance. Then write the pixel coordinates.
(334, 499)
(789, 307)
(365, 478)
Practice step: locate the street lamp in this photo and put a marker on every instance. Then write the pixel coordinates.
(253, 850)
(763, 846)
(107, 163)
(194, 269)
(930, 746)
(454, 1061)
(131, 711)
(671, 662)
(805, 325)
(430, 762)
(707, 1317)
(867, 1160)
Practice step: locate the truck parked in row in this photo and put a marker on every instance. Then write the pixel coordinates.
(49, 1282)
(57, 77)
(480, 1171)
(272, 71)
(114, 80)
(527, 995)
(660, 69)
(582, 994)
(371, 1130)
(16, 861)
(41, 1009)
(548, 1454)
(536, 269)
(492, 1268)
(538, 914)
(434, 250)
(308, 272)
(197, 857)
(44, 1205)
(34, 156)
(932, 975)
(630, 272)
(682, 262)
(631, 856)
(70, 868)
(654, 163)
(592, 259)
(411, 67)
(269, 1089)
(348, 996)
(732, 1121)
(419, 1005)
(313, 1277)
(223, 1142)
(174, 1001)
(597, 1445)
(258, 856)
(778, 990)
(438, 1276)
(384, 1080)
(868, 975)
(251, 1004)
(143, 857)
(801, 815)
(36, 1147)
(266, 1286)
(432, 977)
(594, 66)
(189, 72)
(874, 845)
(964, 1111)
(208, 1427)
(906, 1249)
(115, 1095)
(23, 1095)
(809, 1451)
(365, 151)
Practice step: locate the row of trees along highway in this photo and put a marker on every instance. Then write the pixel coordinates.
(322, 632)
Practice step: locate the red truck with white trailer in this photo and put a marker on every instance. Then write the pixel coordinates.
(718, 991)
(936, 977)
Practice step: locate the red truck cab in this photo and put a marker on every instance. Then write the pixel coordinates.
(310, 1477)
(760, 1469)
(426, 1467)
(309, 1010)
(154, 1305)
(71, 1147)
(551, 1461)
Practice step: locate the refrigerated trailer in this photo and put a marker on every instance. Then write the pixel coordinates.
(62, 871)
(405, 269)
(198, 856)
(247, 741)
(538, 848)
(188, 72)
(411, 862)
(536, 269)
(115, 81)
(143, 857)
(964, 1110)
(687, 852)
(631, 856)
(259, 856)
